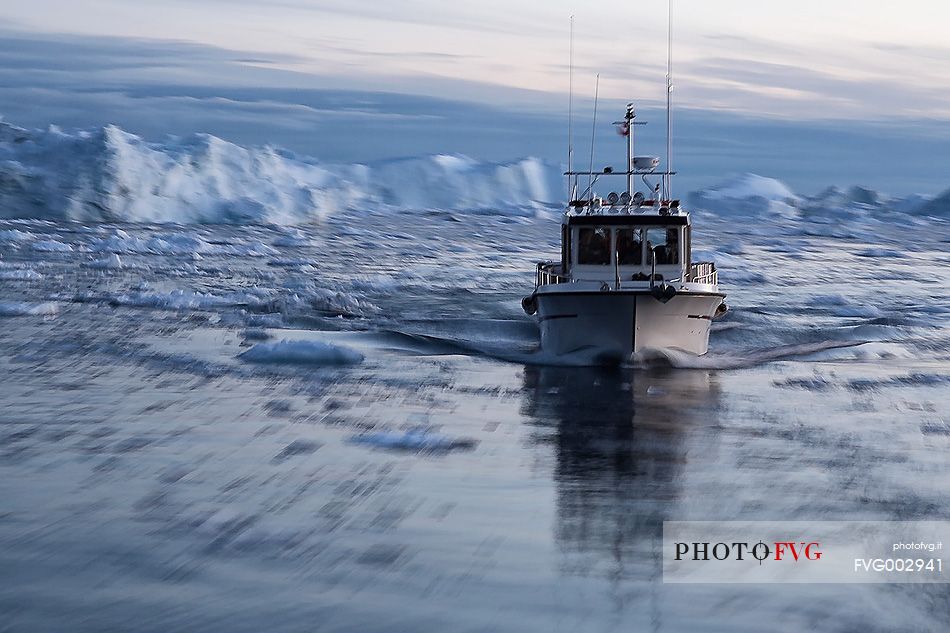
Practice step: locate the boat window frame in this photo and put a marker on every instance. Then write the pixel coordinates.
(566, 248)
(688, 246)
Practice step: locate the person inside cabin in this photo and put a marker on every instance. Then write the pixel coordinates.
(593, 246)
(672, 248)
(629, 247)
(667, 250)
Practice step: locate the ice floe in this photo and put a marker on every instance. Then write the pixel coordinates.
(15, 235)
(19, 308)
(880, 252)
(112, 262)
(20, 274)
(298, 352)
(190, 300)
(51, 246)
(417, 440)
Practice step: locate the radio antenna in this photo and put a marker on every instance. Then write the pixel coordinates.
(593, 131)
(669, 103)
(571, 188)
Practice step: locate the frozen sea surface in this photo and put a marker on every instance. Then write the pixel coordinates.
(405, 461)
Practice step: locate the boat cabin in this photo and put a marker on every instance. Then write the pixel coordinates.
(626, 237)
(631, 247)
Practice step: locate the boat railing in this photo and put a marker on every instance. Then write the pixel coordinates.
(550, 273)
(703, 273)
(699, 272)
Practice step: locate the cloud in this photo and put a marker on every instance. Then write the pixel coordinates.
(61, 51)
(155, 88)
(508, 19)
(328, 45)
(772, 87)
(915, 51)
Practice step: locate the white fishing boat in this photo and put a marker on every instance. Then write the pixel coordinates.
(625, 281)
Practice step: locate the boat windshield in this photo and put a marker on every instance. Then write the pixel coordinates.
(596, 245)
(665, 243)
(629, 247)
(593, 246)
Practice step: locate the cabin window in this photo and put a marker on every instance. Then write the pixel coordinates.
(665, 242)
(629, 247)
(593, 246)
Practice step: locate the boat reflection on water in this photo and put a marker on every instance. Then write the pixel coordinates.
(620, 449)
(628, 450)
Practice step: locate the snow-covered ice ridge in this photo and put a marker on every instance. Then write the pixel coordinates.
(751, 194)
(107, 174)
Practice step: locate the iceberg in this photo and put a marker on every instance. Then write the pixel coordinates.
(460, 183)
(938, 207)
(752, 195)
(109, 175)
(746, 195)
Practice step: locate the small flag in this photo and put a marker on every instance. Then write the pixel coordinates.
(623, 129)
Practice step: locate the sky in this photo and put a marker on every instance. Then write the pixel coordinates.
(855, 90)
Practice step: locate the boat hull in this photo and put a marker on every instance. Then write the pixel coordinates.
(612, 325)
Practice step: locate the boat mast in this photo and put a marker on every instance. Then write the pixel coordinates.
(629, 119)
(593, 134)
(571, 188)
(669, 102)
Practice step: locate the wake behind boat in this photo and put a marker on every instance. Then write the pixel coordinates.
(625, 281)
